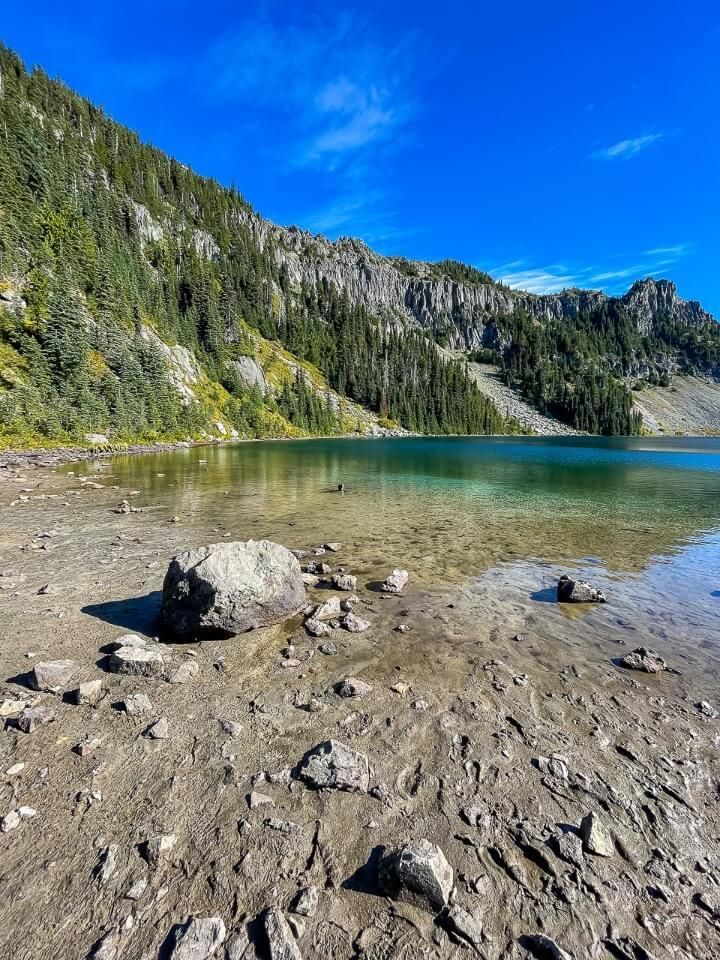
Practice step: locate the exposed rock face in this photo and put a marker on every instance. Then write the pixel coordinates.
(250, 372)
(335, 766)
(417, 873)
(578, 591)
(230, 588)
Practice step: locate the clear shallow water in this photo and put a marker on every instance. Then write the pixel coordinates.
(494, 521)
(453, 505)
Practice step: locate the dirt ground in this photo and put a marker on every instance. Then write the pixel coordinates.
(485, 696)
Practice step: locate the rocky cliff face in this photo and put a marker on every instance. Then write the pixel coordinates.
(412, 291)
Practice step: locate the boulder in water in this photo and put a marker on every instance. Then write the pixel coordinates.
(578, 591)
(229, 588)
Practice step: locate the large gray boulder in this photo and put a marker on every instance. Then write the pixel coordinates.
(229, 588)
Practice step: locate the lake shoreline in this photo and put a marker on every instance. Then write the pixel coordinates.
(496, 722)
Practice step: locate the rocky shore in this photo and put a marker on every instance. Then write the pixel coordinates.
(383, 769)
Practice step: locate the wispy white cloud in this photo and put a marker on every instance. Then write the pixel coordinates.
(611, 277)
(625, 149)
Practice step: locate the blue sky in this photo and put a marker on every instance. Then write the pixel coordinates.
(556, 144)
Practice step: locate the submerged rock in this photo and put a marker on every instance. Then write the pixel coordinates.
(417, 873)
(335, 766)
(578, 591)
(396, 581)
(230, 588)
(645, 659)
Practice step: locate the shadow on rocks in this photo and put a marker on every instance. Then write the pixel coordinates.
(376, 586)
(21, 680)
(136, 614)
(365, 878)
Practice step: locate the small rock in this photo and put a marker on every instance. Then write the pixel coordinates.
(328, 648)
(136, 889)
(464, 927)
(197, 939)
(344, 581)
(160, 730)
(232, 727)
(127, 640)
(355, 624)
(314, 706)
(420, 704)
(297, 925)
(352, 687)
(157, 848)
(87, 747)
(327, 610)
(570, 849)
(316, 567)
(257, 799)
(10, 821)
(136, 661)
(137, 705)
(417, 873)
(186, 671)
(52, 676)
(402, 687)
(578, 591)
(281, 944)
(555, 766)
(32, 717)
(334, 547)
(87, 693)
(396, 581)
(595, 836)
(644, 659)
(310, 580)
(306, 902)
(14, 770)
(335, 766)
(403, 628)
(706, 710)
(316, 628)
(105, 948)
(107, 865)
(11, 708)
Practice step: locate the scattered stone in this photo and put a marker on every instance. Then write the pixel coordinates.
(327, 610)
(328, 648)
(231, 588)
(185, 671)
(14, 770)
(160, 730)
(282, 826)
(87, 747)
(334, 547)
(706, 710)
(306, 902)
(352, 687)
(11, 708)
(570, 849)
(463, 927)
(257, 799)
(124, 507)
(136, 661)
(157, 848)
(316, 628)
(403, 628)
(420, 704)
(417, 873)
(197, 939)
(127, 640)
(346, 604)
(52, 676)
(521, 680)
(318, 551)
(555, 766)
(232, 727)
(396, 581)
(33, 717)
(137, 705)
(281, 944)
(314, 705)
(644, 659)
(402, 687)
(297, 925)
(88, 693)
(344, 581)
(544, 948)
(105, 948)
(355, 624)
(316, 567)
(44, 590)
(335, 766)
(107, 865)
(137, 889)
(596, 837)
(310, 580)
(578, 591)
(10, 821)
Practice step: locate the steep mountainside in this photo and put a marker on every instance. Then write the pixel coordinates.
(140, 301)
